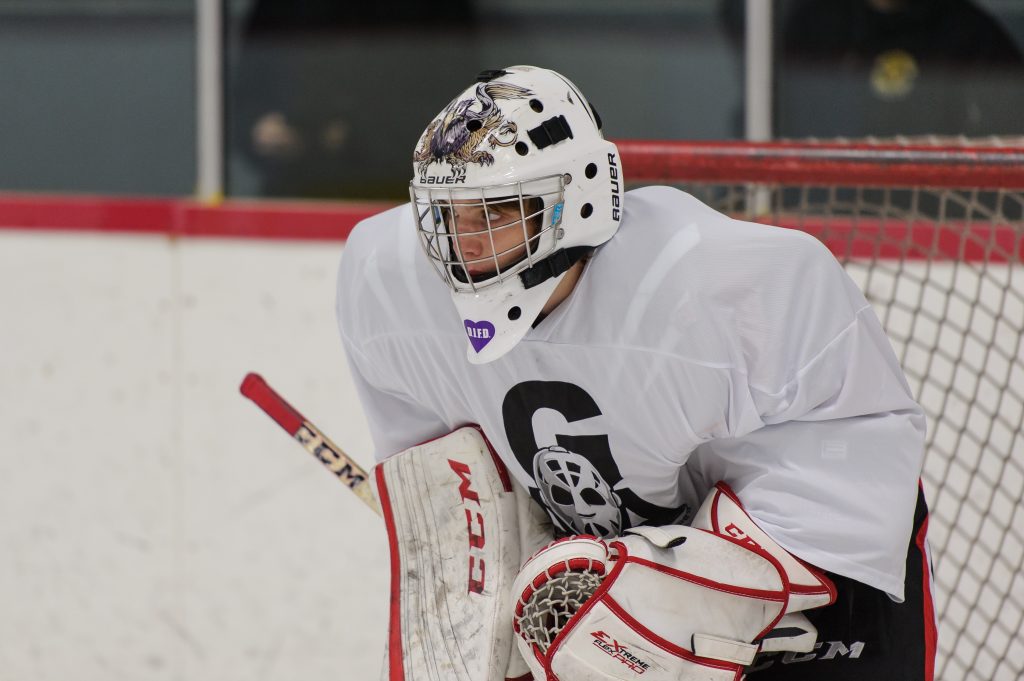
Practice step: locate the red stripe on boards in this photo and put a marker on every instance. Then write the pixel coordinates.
(288, 220)
(860, 238)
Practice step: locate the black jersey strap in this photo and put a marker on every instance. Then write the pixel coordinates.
(553, 265)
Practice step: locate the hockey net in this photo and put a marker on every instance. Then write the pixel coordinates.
(934, 236)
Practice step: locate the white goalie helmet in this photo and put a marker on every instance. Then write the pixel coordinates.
(513, 183)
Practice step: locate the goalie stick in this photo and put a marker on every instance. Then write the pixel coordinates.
(309, 436)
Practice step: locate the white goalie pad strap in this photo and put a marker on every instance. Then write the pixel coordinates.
(679, 604)
(719, 648)
(453, 533)
(535, 528)
(722, 513)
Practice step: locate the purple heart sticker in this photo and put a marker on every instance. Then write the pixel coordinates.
(480, 333)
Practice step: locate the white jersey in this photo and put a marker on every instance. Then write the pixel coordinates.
(694, 348)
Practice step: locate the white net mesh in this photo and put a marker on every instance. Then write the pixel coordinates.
(549, 608)
(944, 269)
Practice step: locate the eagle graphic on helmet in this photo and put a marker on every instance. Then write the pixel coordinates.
(454, 136)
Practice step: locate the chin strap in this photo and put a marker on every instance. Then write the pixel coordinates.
(554, 265)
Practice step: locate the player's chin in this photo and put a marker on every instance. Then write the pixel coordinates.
(472, 275)
(480, 275)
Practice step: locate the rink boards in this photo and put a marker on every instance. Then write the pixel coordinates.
(155, 524)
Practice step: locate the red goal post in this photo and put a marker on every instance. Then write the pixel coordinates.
(934, 235)
(826, 162)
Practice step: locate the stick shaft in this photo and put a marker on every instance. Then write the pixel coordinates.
(333, 457)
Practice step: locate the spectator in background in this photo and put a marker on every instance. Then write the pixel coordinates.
(897, 67)
(318, 80)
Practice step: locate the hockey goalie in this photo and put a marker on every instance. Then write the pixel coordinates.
(624, 352)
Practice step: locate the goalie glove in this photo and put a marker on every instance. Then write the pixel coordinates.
(673, 603)
(723, 514)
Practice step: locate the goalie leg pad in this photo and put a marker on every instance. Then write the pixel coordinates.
(453, 532)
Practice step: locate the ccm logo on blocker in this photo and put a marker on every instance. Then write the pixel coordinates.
(476, 540)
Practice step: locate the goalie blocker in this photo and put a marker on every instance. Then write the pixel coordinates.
(458, 529)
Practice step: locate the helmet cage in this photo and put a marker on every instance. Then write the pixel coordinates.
(436, 211)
